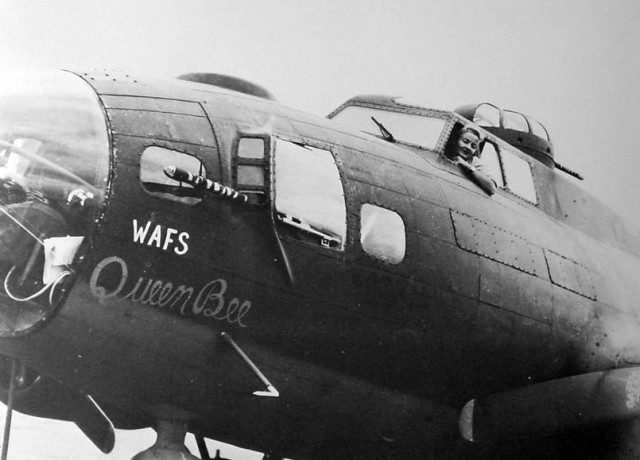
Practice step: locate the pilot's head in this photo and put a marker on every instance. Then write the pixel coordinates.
(467, 145)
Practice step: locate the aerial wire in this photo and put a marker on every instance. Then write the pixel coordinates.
(7, 422)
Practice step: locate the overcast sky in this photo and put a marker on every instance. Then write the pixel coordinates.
(571, 64)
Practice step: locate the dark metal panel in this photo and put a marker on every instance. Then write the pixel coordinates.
(127, 189)
(362, 193)
(432, 221)
(567, 202)
(128, 150)
(123, 84)
(505, 335)
(153, 104)
(570, 275)
(444, 265)
(510, 289)
(574, 326)
(187, 233)
(479, 237)
(157, 125)
(376, 171)
(425, 188)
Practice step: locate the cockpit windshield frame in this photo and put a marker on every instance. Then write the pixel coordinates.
(388, 119)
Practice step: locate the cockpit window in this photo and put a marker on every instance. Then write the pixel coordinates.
(491, 162)
(410, 128)
(309, 198)
(515, 120)
(517, 173)
(508, 170)
(487, 115)
(538, 130)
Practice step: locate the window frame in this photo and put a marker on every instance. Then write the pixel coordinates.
(367, 249)
(502, 182)
(402, 109)
(295, 224)
(190, 200)
(501, 147)
(506, 175)
(258, 194)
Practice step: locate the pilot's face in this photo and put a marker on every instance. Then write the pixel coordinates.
(467, 146)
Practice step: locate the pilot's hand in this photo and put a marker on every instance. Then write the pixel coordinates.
(464, 164)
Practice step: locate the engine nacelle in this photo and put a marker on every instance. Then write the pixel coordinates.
(34, 394)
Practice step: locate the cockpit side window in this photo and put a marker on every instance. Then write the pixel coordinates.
(510, 172)
(309, 197)
(152, 163)
(518, 176)
(487, 115)
(491, 162)
(516, 121)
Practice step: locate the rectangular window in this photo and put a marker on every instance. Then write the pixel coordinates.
(251, 167)
(382, 233)
(250, 147)
(490, 160)
(518, 177)
(415, 129)
(309, 195)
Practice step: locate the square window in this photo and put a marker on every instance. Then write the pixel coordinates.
(251, 148)
(382, 233)
(250, 176)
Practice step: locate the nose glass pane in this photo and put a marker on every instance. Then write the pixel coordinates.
(54, 161)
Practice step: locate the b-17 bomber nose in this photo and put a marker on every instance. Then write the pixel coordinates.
(54, 161)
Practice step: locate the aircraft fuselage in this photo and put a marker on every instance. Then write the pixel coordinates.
(376, 312)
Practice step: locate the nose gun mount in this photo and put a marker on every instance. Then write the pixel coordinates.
(202, 183)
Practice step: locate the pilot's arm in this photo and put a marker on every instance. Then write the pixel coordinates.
(476, 173)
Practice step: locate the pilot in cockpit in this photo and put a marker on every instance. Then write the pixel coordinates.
(464, 150)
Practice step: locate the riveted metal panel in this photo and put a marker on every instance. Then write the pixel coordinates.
(153, 104)
(509, 289)
(159, 125)
(446, 266)
(432, 221)
(495, 243)
(569, 274)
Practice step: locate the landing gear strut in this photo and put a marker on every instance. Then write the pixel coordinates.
(169, 444)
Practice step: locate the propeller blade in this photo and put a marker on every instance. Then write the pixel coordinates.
(554, 407)
(94, 423)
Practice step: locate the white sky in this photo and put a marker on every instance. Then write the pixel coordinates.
(571, 64)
